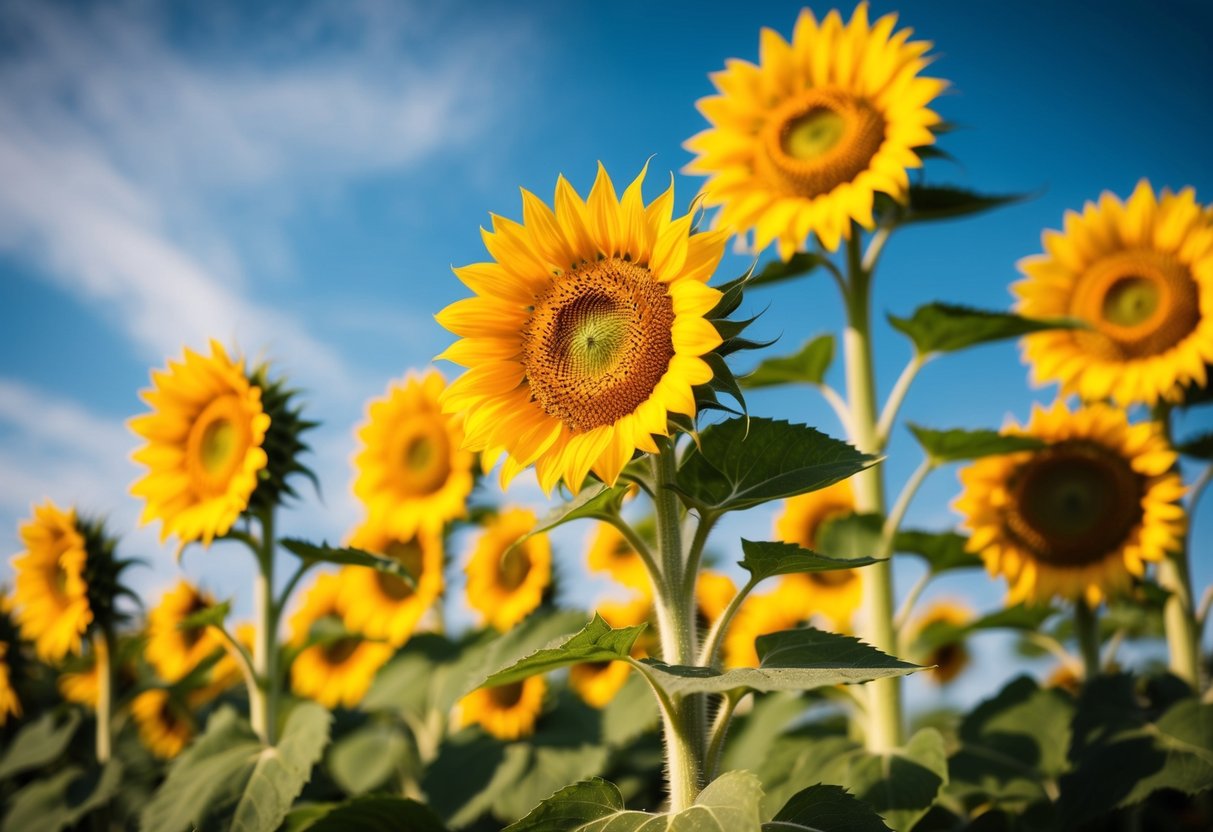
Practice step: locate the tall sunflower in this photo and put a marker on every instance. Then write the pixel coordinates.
(51, 591)
(173, 650)
(946, 656)
(598, 682)
(165, 724)
(585, 334)
(834, 595)
(1140, 275)
(204, 449)
(1080, 517)
(506, 584)
(801, 143)
(508, 712)
(412, 470)
(610, 552)
(338, 671)
(383, 606)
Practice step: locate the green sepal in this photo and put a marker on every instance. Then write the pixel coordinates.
(283, 444)
(103, 575)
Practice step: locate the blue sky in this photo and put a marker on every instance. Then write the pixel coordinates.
(297, 179)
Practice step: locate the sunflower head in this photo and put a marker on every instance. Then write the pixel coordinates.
(758, 616)
(67, 580)
(585, 334)
(713, 592)
(802, 142)
(1080, 517)
(1139, 274)
(935, 643)
(610, 552)
(508, 712)
(173, 649)
(508, 579)
(165, 724)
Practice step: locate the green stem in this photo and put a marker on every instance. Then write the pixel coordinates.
(699, 541)
(888, 415)
(884, 711)
(105, 695)
(1086, 626)
(711, 645)
(642, 549)
(242, 660)
(263, 706)
(683, 720)
(720, 730)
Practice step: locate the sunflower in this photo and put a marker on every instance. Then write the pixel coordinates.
(380, 605)
(713, 592)
(165, 725)
(1080, 517)
(598, 682)
(834, 595)
(801, 143)
(173, 651)
(81, 681)
(585, 334)
(610, 552)
(506, 582)
(1140, 275)
(51, 592)
(9, 703)
(412, 471)
(204, 445)
(948, 656)
(758, 616)
(506, 711)
(339, 671)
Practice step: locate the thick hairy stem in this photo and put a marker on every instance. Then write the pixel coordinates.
(263, 707)
(884, 711)
(105, 695)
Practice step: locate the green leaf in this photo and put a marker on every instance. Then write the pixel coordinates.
(471, 771)
(945, 327)
(211, 616)
(903, 785)
(549, 768)
(788, 660)
(227, 773)
(742, 463)
(1018, 617)
(944, 446)
(808, 366)
(364, 759)
(348, 557)
(631, 713)
(777, 271)
(752, 736)
(730, 803)
(1198, 447)
(852, 537)
(62, 800)
(410, 682)
(832, 808)
(597, 642)
(928, 203)
(943, 551)
(767, 559)
(374, 814)
(39, 743)
(590, 503)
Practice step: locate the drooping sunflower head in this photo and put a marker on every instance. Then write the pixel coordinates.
(508, 712)
(51, 586)
(339, 668)
(174, 650)
(383, 606)
(506, 582)
(598, 682)
(585, 334)
(204, 450)
(610, 552)
(803, 141)
(1079, 518)
(935, 643)
(165, 724)
(412, 471)
(1139, 274)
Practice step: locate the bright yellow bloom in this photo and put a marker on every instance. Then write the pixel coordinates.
(51, 594)
(1140, 275)
(506, 587)
(947, 660)
(1080, 517)
(338, 672)
(506, 711)
(758, 616)
(382, 606)
(833, 595)
(204, 445)
(165, 725)
(172, 651)
(81, 685)
(598, 682)
(801, 143)
(585, 334)
(412, 471)
(610, 552)
(713, 592)
(9, 703)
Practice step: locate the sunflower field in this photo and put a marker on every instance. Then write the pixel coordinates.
(771, 649)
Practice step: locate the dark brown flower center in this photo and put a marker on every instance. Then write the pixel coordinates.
(506, 696)
(1074, 503)
(424, 450)
(598, 342)
(411, 557)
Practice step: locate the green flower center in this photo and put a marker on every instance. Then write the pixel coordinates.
(218, 443)
(814, 134)
(592, 333)
(1131, 301)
